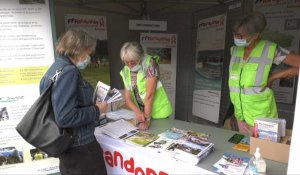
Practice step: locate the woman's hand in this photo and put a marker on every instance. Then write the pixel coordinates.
(140, 116)
(144, 125)
(270, 81)
(102, 106)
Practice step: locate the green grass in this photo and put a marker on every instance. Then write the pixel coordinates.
(94, 74)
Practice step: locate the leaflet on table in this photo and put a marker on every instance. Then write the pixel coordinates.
(120, 129)
(176, 134)
(191, 159)
(173, 134)
(104, 93)
(188, 146)
(231, 164)
(142, 138)
(120, 114)
(243, 145)
(160, 144)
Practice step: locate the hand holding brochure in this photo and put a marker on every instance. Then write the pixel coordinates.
(103, 92)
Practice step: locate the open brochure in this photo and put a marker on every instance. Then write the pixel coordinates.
(103, 92)
(120, 129)
(142, 138)
(231, 164)
(120, 114)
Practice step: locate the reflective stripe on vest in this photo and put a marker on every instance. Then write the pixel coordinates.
(246, 91)
(261, 61)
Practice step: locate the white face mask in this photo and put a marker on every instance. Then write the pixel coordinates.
(241, 42)
(135, 68)
(83, 64)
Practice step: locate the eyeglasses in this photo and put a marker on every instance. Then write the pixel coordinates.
(239, 35)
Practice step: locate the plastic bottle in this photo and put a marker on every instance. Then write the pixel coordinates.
(257, 164)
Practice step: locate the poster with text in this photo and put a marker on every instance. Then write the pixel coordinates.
(283, 28)
(165, 46)
(208, 67)
(96, 26)
(26, 52)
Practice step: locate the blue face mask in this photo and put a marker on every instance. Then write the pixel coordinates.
(82, 65)
(135, 68)
(241, 42)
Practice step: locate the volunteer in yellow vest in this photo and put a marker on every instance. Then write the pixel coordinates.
(250, 80)
(144, 92)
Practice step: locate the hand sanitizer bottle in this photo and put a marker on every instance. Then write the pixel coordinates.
(257, 164)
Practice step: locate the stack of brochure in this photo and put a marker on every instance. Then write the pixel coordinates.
(187, 146)
(103, 92)
(269, 128)
(231, 164)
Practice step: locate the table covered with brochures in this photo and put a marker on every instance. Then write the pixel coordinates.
(124, 158)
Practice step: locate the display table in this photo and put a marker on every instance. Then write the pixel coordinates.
(123, 158)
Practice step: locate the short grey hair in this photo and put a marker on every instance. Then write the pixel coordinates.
(132, 51)
(253, 23)
(74, 42)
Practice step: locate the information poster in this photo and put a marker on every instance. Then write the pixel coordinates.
(26, 52)
(96, 26)
(208, 70)
(165, 46)
(283, 21)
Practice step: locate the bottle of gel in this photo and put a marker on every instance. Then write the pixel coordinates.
(257, 164)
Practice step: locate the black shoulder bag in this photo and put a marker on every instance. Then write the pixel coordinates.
(38, 126)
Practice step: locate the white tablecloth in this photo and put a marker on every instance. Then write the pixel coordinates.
(124, 158)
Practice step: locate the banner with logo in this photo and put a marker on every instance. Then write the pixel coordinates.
(26, 52)
(123, 158)
(283, 28)
(96, 26)
(165, 46)
(208, 67)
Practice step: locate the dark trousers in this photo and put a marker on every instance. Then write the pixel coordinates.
(83, 160)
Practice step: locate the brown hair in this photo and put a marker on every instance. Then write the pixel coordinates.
(74, 42)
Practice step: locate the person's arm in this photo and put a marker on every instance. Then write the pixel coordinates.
(148, 102)
(292, 60)
(150, 93)
(130, 104)
(65, 101)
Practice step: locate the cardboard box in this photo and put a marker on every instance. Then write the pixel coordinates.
(272, 150)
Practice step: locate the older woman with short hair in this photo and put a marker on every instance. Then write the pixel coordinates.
(250, 80)
(144, 93)
(73, 105)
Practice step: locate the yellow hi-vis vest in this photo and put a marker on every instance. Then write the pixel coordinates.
(247, 82)
(162, 107)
